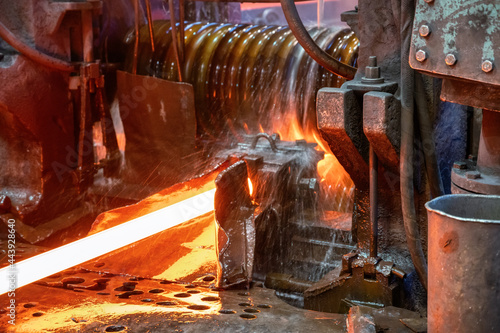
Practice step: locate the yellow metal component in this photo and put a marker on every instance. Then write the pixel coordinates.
(245, 76)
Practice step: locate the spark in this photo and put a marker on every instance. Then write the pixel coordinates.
(250, 187)
(82, 250)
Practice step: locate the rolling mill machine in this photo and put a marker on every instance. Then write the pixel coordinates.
(168, 166)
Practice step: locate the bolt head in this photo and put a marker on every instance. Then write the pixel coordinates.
(472, 174)
(429, 1)
(424, 30)
(450, 59)
(487, 66)
(460, 165)
(421, 55)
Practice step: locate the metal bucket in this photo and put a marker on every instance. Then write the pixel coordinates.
(464, 263)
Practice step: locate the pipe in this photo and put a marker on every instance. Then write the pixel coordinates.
(150, 24)
(137, 35)
(182, 10)
(175, 40)
(321, 57)
(33, 54)
(373, 202)
(428, 147)
(407, 135)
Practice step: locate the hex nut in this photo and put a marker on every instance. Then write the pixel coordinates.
(487, 66)
(450, 59)
(424, 30)
(421, 55)
(460, 165)
(472, 174)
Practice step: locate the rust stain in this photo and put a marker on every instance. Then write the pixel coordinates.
(449, 242)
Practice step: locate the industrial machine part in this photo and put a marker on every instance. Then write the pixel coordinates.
(244, 75)
(341, 111)
(481, 174)
(305, 40)
(153, 138)
(464, 263)
(457, 40)
(258, 227)
(53, 108)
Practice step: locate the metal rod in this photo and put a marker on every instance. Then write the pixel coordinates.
(150, 24)
(182, 12)
(373, 202)
(427, 135)
(136, 45)
(90, 247)
(88, 57)
(175, 42)
(84, 104)
(32, 53)
(88, 36)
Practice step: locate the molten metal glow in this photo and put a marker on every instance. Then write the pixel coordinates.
(250, 187)
(69, 255)
(336, 184)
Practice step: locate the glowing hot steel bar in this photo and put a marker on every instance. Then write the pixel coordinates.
(69, 255)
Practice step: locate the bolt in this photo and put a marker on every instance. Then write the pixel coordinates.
(487, 66)
(421, 55)
(424, 30)
(472, 174)
(450, 59)
(372, 72)
(460, 165)
(372, 60)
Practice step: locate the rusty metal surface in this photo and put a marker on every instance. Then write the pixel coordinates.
(340, 124)
(361, 280)
(285, 186)
(471, 93)
(467, 30)
(366, 319)
(482, 176)
(464, 264)
(488, 157)
(484, 184)
(85, 301)
(382, 126)
(160, 126)
(234, 213)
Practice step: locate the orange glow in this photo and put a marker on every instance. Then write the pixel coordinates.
(245, 126)
(335, 183)
(250, 187)
(116, 230)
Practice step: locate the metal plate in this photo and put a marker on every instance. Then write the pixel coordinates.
(470, 30)
(154, 306)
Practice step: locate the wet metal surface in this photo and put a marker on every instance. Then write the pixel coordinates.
(464, 289)
(41, 308)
